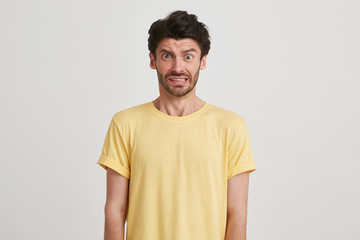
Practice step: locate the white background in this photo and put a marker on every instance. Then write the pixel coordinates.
(289, 68)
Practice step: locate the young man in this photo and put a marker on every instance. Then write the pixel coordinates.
(177, 167)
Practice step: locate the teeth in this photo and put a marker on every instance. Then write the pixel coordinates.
(178, 79)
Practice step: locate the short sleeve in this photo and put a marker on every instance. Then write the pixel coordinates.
(240, 158)
(115, 151)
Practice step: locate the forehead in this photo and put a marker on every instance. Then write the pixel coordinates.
(172, 44)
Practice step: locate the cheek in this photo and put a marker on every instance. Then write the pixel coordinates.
(163, 70)
(194, 69)
(162, 67)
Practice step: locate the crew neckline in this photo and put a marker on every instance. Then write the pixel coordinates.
(174, 118)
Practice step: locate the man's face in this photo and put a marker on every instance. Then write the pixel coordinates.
(177, 64)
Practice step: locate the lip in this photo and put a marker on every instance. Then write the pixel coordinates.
(178, 80)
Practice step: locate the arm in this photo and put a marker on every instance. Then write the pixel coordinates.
(237, 196)
(116, 205)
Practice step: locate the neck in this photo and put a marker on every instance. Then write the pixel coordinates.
(178, 106)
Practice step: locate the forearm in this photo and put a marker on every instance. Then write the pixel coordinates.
(114, 226)
(236, 227)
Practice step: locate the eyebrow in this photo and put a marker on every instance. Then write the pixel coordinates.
(164, 51)
(186, 51)
(190, 50)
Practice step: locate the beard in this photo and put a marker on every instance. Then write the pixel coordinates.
(178, 91)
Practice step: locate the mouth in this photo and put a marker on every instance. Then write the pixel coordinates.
(178, 80)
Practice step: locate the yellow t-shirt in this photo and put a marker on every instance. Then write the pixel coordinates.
(178, 169)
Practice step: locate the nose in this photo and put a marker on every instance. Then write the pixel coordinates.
(178, 65)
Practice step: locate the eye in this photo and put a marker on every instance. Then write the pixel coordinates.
(188, 57)
(166, 55)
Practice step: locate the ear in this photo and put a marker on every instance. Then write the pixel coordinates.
(152, 61)
(203, 62)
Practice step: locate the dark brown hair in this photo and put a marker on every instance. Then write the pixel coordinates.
(179, 25)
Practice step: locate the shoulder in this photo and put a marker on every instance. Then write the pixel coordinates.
(131, 114)
(226, 117)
